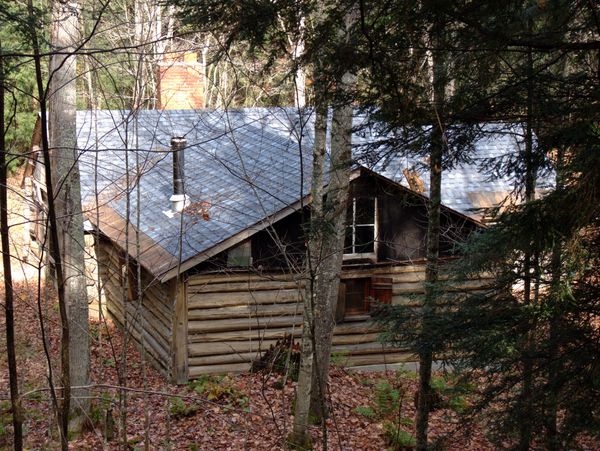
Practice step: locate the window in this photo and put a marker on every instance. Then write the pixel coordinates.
(361, 228)
(359, 296)
(128, 278)
(241, 255)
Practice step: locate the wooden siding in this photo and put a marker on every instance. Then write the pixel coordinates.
(219, 323)
(233, 317)
(153, 316)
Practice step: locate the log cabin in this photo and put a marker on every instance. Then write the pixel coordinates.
(210, 206)
(204, 211)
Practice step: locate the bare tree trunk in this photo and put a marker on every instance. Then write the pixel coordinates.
(439, 82)
(8, 288)
(332, 245)
(62, 409)
(300, 437)
(526, 398)
(554, 367)
(63, 147)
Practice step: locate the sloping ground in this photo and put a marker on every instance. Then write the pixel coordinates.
(242, 412)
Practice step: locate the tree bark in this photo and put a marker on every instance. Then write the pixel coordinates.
(300, 437)
(332, 245)
(8, 288)
(299, 74)
(526, 396)
(62, 409)
(437, 144)
(63, 148)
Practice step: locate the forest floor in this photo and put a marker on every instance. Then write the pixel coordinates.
(246, 411)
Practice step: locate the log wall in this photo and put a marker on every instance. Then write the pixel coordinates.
(232, 318)
(148, 322)
(223, 322)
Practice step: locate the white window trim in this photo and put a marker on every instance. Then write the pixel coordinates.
(364, 255)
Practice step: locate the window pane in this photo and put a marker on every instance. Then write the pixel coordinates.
(240, 255)
(365, 211)
(365, 239)
(355, 296)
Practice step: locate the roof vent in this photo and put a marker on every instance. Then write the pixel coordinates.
(178, 199)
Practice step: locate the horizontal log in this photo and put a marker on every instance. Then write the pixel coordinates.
(135, 315)
(405, 301)
(240, 341)
(222, 325)
(418, 287)
(373, 347)
(232, 363)
(199, 353)
(413, 276)
(113, 294)
(408, 272)
(162, 305)
(401, 272)
(248, 357)
(407, 288)
(344, 331)
(195, 371)
(469, 285)
(158, 313)
(162, 335)
(268, 328)
(156, 339)
(224, 277)
(227, 287)
(211, 300)
(244, 311)
(362, 327)
(377, 359)
(158, 354)
(399, 275)
(200, 279)
(229, 347)
(241, 335)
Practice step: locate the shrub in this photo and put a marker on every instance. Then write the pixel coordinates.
(219, 389)
(397, 438)
(365, 411)
(179, 409)
(387, 398)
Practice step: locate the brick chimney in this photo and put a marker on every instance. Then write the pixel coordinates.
(180, 83)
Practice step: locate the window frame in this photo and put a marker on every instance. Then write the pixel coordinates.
(240, 256)
(375, 288)
(128, 276)
(354, 225)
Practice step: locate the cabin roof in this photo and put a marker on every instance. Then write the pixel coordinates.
(246, 168)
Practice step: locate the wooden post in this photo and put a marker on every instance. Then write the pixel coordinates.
(179, 348)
